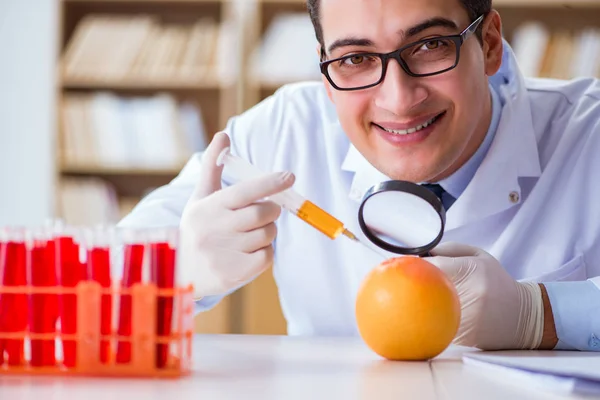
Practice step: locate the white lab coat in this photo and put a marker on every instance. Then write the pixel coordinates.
(534, 203)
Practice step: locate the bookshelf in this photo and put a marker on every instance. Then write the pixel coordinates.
(141, 87)
(143, 56)
(142, 84)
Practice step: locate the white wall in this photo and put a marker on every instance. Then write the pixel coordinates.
(28, 43)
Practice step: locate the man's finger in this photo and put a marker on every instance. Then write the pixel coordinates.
(450, 266)
(210, 173)
(452, 249)
(247, 192)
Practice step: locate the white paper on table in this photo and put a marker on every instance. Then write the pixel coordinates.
(569, 372)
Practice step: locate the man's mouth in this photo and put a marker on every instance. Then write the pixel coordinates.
(413, 129)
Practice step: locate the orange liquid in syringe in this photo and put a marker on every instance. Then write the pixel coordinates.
(320, 219)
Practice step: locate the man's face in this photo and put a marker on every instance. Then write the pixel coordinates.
(453, 106)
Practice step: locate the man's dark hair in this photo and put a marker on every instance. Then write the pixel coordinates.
(474, 9)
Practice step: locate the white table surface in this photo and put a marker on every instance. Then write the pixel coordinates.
(282, 367)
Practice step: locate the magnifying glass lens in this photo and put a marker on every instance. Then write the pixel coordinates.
(402, 217)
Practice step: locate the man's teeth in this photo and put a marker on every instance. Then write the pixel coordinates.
(411, 130)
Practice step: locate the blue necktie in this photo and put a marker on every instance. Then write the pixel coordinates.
(441, 194)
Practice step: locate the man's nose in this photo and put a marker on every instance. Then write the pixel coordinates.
(399, 92)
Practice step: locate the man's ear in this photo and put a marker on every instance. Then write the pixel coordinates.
(492, 43)
(323, 78)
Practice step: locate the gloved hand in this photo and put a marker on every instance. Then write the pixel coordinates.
(226, 234)
(497, 311)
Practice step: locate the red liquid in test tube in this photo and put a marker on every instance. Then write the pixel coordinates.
(70, 271)
(14, 306)
(98, 261)
(3, 246)
(163, 275)
(132, 273)
(44, 306)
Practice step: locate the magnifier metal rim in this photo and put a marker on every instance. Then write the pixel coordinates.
(407, 187)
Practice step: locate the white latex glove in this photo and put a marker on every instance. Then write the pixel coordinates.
(497, 311)
(226, 234)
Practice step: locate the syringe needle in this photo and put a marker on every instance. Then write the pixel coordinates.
(353, 237)
(350, 235)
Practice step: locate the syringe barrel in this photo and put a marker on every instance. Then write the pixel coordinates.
(237, 169)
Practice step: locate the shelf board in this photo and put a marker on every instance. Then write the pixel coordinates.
(107, 171)
(148, 1)
(500, 3)
(140, 84)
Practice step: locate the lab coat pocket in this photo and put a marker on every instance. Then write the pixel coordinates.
(573, 270)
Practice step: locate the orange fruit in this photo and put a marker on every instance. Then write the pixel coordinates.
(407, 309)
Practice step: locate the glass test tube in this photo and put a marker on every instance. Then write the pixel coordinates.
(14, 306)
(44, 306)
(70, 270)
(163, 245)
(98, 247)
(134, 248)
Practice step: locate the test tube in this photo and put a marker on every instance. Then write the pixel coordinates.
(163, 252)
(44, 306)
(3, 299)
(14, 311)
(239, 169)
(134, 244)
(183, 308)
(70, 271)
(98, 244)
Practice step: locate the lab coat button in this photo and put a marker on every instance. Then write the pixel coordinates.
(514, 197)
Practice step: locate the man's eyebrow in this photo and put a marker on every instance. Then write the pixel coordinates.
(430, 23)
(413, 31)
(349, 42)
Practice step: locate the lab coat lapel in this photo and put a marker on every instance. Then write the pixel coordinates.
(513, 154)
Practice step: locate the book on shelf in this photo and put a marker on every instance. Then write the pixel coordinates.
(92, 201)
(559, 53)
(87, 202)
(287, 51)
(117, 48)
(103, 130)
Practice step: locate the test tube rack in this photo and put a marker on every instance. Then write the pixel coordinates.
(132, 327)
(143, 340)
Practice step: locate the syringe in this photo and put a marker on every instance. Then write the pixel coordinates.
(289, 199)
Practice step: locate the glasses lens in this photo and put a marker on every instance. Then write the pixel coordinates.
(430, 57)
(355, 71)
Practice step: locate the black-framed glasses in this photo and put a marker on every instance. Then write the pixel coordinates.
(427, 57)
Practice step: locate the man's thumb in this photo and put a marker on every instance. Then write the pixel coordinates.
(210, 173)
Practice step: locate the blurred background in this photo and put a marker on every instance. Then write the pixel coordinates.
(103, 100)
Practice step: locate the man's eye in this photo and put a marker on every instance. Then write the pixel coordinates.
(432, 45)
(355, 60)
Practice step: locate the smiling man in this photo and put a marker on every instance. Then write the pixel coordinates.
(432, 112)
(428, 92)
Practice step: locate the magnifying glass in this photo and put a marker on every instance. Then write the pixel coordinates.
(402, 217)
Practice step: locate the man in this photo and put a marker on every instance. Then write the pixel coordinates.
(426, 92)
